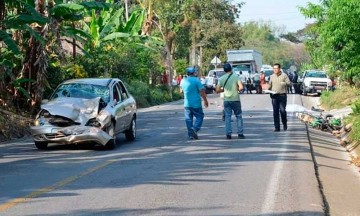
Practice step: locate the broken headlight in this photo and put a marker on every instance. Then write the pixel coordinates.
(40, 120)
(93, 123)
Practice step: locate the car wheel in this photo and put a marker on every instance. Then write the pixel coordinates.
(304, 91)
(130, 133)
(111, 144)
(41, 145)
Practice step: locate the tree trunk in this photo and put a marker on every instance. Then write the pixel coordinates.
(169, 39)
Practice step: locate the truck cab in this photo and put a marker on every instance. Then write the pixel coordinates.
(315, 81)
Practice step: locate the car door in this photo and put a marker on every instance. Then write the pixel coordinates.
(119, 109)
(129, 104)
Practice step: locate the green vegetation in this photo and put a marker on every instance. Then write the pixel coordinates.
(333, 44)
(43, 43)
(355, 119)
(343, 97)
(333, 40)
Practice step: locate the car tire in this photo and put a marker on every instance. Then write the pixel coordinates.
(111, 144)
(41, 145)
(304, 91)
(130, 134)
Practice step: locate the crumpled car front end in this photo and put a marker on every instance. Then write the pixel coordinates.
(72, 120)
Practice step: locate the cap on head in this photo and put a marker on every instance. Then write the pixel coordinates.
(227, 67)
(190, 70)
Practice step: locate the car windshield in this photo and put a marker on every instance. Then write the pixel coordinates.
(81, 90)
(316, 74)
(242, 67)
(268, 72)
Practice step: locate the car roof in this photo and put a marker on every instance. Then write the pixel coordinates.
(93, 81)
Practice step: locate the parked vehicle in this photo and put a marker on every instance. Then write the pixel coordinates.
(212, 78)
(315, 81)
(86, 110)
(247, 61)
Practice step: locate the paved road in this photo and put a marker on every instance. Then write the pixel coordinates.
(164, 173)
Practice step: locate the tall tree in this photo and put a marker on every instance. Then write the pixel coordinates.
(336, 41)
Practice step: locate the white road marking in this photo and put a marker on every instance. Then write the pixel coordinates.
(273, 186)
(274, 181)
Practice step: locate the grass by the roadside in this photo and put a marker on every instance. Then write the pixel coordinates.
(354, 118)
(342, 97)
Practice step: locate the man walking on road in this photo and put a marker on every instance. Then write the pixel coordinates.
(278, 84)
(231, 85)
(193, 92)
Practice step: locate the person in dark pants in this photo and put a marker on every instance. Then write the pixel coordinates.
(278, 84)
(249, 85)
(296, 85)
(289, 87)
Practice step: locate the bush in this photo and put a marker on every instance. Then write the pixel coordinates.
(141, 92)
(341, 97)
(146, 95)
(356, 107)
(355, 131)
(176, 93)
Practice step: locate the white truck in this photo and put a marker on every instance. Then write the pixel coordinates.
(247, 61)
(315, 82)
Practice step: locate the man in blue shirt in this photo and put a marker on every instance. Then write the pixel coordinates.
(193, 92)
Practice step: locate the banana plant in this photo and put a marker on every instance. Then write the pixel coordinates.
(109, 26)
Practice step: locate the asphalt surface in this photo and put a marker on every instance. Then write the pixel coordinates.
(165, 173)
(338, 177)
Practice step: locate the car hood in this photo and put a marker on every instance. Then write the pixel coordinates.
(317, 79)
(78, 109)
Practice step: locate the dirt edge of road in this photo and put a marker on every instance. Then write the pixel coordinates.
(13, 126)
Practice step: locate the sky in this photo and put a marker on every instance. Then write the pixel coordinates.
(280, 12)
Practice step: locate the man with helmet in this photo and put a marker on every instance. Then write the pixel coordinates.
(231, 85)
(193, 92)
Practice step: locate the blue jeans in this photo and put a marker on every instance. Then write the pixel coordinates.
(279, 106)
(190, 113)
(229, 107)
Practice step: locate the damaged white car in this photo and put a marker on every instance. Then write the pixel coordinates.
(86, 110)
